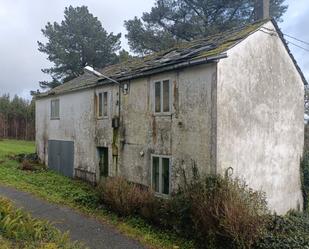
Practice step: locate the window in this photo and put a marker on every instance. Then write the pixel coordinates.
(54, 109)
(160, 174)
(103, 105)
(162, 96)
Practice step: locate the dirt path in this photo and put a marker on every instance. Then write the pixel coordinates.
(91, 232)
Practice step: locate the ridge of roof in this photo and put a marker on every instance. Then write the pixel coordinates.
(202, 50)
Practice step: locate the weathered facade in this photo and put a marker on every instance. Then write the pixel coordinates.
(217, 105)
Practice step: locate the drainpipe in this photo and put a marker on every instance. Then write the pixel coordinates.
(115, 127)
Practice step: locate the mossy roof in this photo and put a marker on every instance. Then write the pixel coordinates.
(206, 48)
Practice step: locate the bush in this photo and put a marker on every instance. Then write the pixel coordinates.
(285, 232)
(125, 198)
(26, 165)
(224, 212)
(305, 178)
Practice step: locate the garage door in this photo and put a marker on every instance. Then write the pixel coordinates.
(61, 156)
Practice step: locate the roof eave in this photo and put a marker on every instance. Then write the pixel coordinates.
(281, 36)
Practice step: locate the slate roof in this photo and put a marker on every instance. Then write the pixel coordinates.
(184, 54)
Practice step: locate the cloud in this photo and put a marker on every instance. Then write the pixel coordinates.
(296, 21)
(20, 29)
(22, 21)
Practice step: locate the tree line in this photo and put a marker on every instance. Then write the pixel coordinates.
(17, 118)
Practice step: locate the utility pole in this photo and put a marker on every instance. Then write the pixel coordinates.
(261, 9)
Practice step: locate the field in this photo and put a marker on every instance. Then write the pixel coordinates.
(78, 195)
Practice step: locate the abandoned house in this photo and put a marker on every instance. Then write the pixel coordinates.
(229, 104)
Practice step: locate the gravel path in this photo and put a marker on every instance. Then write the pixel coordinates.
(91, 232)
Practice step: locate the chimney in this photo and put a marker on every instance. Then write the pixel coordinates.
(261, 9)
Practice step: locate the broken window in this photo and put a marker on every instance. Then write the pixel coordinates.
(162, 102)
(54, 109)
(161, 174)
(103, 105)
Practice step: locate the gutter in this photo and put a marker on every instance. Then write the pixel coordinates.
(168, 68)
(151, 71)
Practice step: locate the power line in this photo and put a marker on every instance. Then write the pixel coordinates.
(297, 45)
(307, 43)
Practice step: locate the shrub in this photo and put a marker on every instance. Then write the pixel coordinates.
(26, 165)
(125, 198)
(305, 178)
(223, 210)
(285, 232)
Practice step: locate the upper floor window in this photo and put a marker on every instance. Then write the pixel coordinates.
(103, 105)
(162, 96)
(54, 109)
(160, 174)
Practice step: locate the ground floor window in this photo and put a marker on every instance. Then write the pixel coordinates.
(160, 174)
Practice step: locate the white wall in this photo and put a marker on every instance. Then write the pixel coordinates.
(76, 124)
(260, 118)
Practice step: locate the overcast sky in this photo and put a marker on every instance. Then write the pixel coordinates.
(21, 22)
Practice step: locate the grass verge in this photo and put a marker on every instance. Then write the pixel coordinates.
(78, 195)
(19, 230)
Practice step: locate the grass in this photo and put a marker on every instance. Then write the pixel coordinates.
(19, 230)
(78, 195)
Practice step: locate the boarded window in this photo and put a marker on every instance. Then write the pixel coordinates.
(103, 105)
(162, 96)
(161, 174)
(54, 109)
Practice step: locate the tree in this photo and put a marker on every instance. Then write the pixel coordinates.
(124, 56)
(306, 100)
(79, 40)
(173, 21)
(17, 118)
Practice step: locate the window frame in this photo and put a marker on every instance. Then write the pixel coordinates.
(160, 193)
(162, 113)
(53, 117)
(102, 105)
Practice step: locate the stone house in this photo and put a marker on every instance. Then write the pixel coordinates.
(229, 104)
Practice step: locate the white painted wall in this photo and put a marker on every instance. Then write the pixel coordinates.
(260, 118)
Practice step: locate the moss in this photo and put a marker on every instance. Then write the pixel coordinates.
(218, 44)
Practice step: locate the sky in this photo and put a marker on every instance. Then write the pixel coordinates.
(21, 22)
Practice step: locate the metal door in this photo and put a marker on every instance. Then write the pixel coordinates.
(61, 156)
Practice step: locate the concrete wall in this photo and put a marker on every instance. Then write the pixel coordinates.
(76, 123)
(260, 128)
(185, 134)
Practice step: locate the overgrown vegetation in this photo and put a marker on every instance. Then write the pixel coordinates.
(214, 212)
(19, 230)
(217, 212)
(78, 195)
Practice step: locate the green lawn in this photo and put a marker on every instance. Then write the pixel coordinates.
(78, 195)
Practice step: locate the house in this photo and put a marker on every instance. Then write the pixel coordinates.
(229, 104)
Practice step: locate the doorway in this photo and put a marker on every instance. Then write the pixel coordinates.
(103, 161)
